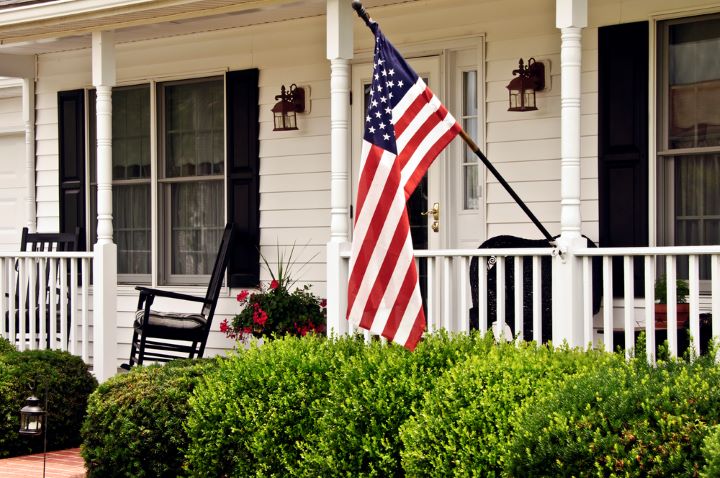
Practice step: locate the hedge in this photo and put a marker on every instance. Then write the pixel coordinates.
(69, 383)
(456, 406)
(462, 427)
(627, 419)
(134, 425)
(711, 453)
(6, 347)
(370, 396)
(252, 415)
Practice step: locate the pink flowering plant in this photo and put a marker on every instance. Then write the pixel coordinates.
(275, 309)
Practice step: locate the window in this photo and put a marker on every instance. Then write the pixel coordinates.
(190, 189)
(689, 133)
(191, 177)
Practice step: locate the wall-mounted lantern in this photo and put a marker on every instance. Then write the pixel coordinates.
(521, 90)
(292, 101)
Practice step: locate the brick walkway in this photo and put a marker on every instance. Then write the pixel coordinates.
(60, 464)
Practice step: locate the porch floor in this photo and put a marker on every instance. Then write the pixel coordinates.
(60, 464)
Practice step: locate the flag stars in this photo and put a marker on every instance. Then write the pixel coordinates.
(367, 118)
(374, 103)
(384, 73)
(378, 115)
(387, 110)
(390, 84)
(377, 77)
(371, 129)
(386, 137)
(379, 88)
(391, 72)
(401, 83)
(383, 99)
(382, 125)
(380, 61)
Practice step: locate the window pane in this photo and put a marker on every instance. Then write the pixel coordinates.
(696, 199)
(472, 197)
(470, 93)
(470, 126)
(194, 136)
(131, 223)
(131, 132)
(694, 89)
(697, 204)
(196, 226)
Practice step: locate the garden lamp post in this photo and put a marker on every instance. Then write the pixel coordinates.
(33, 421)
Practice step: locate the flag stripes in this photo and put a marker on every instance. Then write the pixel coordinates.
(406, 128)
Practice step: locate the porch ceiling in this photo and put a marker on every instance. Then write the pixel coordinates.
(67, 24)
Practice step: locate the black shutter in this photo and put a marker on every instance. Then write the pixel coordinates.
(623, 141)
(243, 183)
(71, 139)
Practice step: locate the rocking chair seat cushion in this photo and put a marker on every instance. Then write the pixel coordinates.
(171, 320)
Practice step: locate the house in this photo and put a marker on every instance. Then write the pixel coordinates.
(148, 124)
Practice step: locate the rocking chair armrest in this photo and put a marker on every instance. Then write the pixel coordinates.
(148, 292)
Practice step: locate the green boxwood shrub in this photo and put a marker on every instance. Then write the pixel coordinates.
(711, 453)
(69, 383)
(462, 426)
(6, 347)
(624, 420)
(134, 425)
(370, 396)
(251, 417)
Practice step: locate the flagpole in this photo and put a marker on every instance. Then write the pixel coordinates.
(362, 13)
(476, 149)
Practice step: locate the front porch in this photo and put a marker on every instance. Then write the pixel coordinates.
(537, 307)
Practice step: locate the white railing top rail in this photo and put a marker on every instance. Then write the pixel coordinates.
(649, 251)
(525, 251)
(46, 254)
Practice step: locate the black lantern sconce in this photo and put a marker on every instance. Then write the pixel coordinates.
(521, 90)
(292, 101)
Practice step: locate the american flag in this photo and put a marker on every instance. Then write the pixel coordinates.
(406, 127)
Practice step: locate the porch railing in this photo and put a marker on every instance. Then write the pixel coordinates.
(636, 305)
(44, 300)
(626, 309)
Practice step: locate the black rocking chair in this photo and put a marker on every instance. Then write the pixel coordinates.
(41, 242)
(161, 336)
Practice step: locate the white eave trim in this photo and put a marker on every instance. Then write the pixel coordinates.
(61, 8)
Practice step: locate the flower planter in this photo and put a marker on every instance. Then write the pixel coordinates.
(683, 315)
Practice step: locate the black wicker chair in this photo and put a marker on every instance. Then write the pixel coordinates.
(505, 242)
(165, 336)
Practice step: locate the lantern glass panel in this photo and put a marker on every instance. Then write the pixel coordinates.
(514, 99)
(530, 99)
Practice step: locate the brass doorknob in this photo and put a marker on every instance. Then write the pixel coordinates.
(435, 211)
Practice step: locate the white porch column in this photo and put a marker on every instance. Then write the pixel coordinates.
(105, 260)
(571, 17)
(28, 105)
(339, 52)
